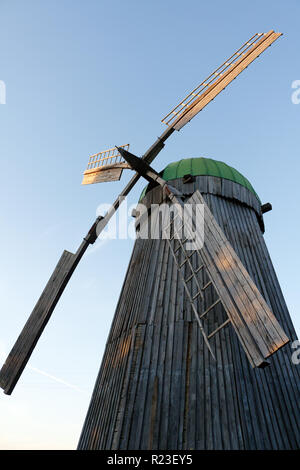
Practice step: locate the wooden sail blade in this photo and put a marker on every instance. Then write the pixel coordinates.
(26, 342)
(107, 165)
(256, 326)
(109, 173)
(193, 103)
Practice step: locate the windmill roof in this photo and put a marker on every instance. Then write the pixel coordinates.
(203, 166)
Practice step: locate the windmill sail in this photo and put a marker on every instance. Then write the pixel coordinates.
(22, 350)
(219, 79)
(257, 328)
(29, 336)
(107, 165)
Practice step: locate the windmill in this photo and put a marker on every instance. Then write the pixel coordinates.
(216, 262)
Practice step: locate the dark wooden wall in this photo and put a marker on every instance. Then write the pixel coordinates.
(158, 387)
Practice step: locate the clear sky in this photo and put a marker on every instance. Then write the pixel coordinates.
(83, 76)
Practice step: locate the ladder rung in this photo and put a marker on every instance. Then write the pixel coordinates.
(189, 278)
(172, 221)
(209, 308)
(177, 249)
(183, 262)
(198, 269)
(177, 233)
(218, 329)
(173, 236)
(187, 257)
(206, 285)
(194, 272)
(196, 295)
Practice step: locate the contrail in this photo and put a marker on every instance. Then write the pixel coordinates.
(98, 245)
(56, 379)
(42, 372)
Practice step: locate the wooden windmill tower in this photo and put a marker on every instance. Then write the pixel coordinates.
(197, 355)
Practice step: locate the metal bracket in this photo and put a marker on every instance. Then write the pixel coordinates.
(92, 236)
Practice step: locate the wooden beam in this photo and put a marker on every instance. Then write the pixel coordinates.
(266, 207)
(22, 350)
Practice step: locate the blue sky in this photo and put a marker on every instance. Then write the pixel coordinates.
(83, 76)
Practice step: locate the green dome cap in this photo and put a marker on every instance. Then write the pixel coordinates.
(203, 166)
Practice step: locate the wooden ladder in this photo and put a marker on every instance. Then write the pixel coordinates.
(182, 258)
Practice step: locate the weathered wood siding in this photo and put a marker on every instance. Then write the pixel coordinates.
(158, 386)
